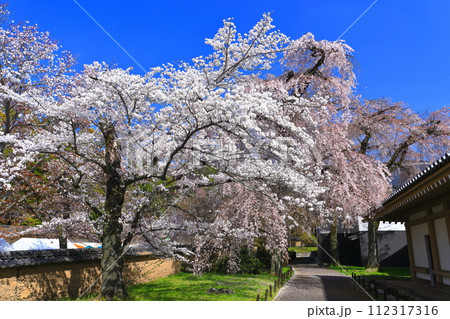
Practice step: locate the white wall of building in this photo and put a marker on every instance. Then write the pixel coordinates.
(384, 226)
(443, 243)
(418, 233)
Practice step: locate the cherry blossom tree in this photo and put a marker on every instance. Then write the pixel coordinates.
(127, 140)
(30, 61)
(131, 147)
(354, 181)
(217, 222)
(400, 138)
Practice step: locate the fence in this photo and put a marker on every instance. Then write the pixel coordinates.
(377, 290)
(281, 280)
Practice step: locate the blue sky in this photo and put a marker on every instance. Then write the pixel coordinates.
(402, 46)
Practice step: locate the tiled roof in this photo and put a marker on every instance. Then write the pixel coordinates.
(419, 177)
(22, 258)
(38, 257)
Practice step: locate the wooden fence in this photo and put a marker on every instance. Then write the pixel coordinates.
(272, 290)
(378, 290)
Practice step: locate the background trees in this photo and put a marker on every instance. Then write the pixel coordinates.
(30, 61)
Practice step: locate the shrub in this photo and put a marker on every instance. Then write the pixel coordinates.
(250, 262)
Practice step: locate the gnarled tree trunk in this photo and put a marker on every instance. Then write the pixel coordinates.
(112, 262)
(112, 259)
(334, 246)
(276, 264)
(372, 254)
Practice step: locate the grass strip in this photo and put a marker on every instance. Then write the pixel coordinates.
(188, 287)
(398, 273)
(302, 249)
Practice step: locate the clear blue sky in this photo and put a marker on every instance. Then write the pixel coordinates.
(402, 46)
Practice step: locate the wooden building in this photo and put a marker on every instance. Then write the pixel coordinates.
(423, 204)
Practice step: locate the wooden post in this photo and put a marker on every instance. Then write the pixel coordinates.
(270, 291)
(410, 250)
(376, 291)
(265, 296)
(275, 286)
(257, 297)
(436, 260)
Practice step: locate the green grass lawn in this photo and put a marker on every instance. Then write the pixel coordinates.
(187, 287)
(383, 273)
(302, 249)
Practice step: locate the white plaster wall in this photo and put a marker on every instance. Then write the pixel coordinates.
(423, 276)
(443, 243)
(418, 233)
(384, 226)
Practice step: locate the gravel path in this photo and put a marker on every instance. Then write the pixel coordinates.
(312, 282)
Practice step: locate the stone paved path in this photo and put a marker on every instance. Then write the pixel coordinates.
(312, 282)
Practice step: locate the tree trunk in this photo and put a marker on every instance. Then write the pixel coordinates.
(276, 267)
(62, 232)
(63, 240)
(7, 122)
(112, 259)
(334, 247)
(372, 257)
(112, 262)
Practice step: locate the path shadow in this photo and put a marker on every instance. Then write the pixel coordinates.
(337, 288)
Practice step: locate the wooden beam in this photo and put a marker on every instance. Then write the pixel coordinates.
(444, 273)
(422, 270)
(425, 219)
(410, 250)
(447, 217)
(434, 245)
